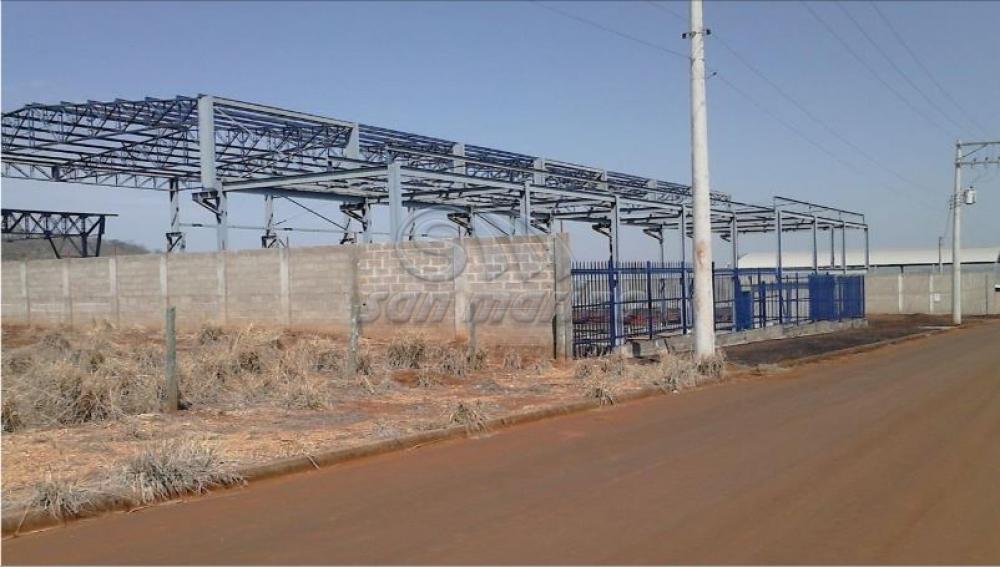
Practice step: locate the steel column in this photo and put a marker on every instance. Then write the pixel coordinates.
(526, 209)
(815, 256)
(366, 234)
(268, 239)
(736, 244)
(352, 151)
(833, 247)
(780, 266)
(867, 251)
(614, 242)
(395, 188)
(175, 238)
(207, 156)
(843, 247)
(663, 245)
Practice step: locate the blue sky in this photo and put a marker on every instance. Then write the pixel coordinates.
(518, 76)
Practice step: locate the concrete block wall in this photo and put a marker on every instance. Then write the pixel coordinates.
(930, 293)
(511, 284)
(142, 288)
(409, 284)
(196, 287)
(319, 283)
(520, 286)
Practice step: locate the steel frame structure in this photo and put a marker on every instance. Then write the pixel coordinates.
(214, 147)
(75, 228)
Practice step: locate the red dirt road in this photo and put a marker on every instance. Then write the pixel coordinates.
(892, 456)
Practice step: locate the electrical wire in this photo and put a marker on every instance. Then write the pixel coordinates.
(801, 107)
(847, 47)
(899, 37)
(798, 132)
(607, 29)
(896, 67)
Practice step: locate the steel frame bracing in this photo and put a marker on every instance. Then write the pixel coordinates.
(76, 228)
(214, 147)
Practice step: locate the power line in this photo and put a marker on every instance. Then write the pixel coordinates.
(673, 13)
(873, 72)
(784, 94)
(896, 67)
(816, 144)
(607, 29)
(735, 89)
(788, 125)
(968, 116)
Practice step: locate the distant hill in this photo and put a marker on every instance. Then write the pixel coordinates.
(41, 250)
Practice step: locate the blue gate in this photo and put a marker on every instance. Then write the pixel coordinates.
(613, 303)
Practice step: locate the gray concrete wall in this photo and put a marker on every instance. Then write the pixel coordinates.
(930, 293)
(519, 285)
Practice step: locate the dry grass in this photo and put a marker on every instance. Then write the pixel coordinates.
(470, 415)
(518, 359)
(170, 469)
(157, 471)
(406, 351)
(601, 391)
(671, 372)
(713, 367)
(100, 375)
(82, 401)
(512, 359)
(62, 498)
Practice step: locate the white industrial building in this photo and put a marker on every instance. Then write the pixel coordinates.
(978, 259)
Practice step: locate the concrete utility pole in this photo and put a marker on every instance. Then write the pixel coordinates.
(704, 305)
(956, 240)
(959, 199)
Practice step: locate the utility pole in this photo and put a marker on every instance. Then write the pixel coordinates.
(956, 240)
(704, 305)
(960, 198)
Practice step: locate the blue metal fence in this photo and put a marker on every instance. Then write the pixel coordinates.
(616, 302)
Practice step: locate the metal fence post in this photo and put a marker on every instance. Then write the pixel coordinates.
(649, 298)
(613, 306)
(763, 300)
(171, 390)
(715, 299)
(684, 299)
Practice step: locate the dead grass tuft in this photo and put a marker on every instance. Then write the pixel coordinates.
(210, 333)
(55, 340)
(673, 373)
(9, 415)
(602, 392)
(62, 498)
(470, 415)
(512, 359)
(406, 351)
(713, 367)
(613, 366)
(170, 469)
(456, 360)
